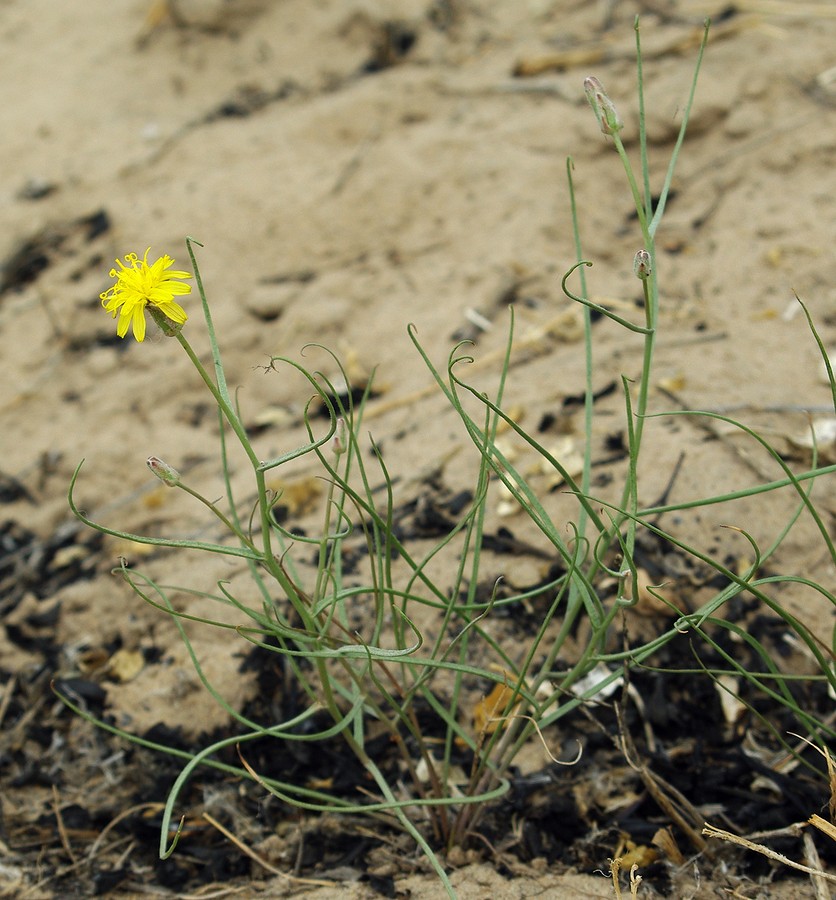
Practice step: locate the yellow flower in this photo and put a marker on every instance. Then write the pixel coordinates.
(137, 286)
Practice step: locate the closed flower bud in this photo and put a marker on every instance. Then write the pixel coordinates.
(604, 109)
(169, 476)
(641, 265)
(338, 444)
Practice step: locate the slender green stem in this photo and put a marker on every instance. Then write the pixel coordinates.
(645, 165)
(220, 398)
(220, 515)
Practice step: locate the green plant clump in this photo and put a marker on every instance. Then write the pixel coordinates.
(357, 685)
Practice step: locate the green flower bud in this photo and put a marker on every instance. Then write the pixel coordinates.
(641, 265)
(604, 109)
(338, 441)
(169, 476)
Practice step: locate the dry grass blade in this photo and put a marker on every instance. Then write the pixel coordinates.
(712, 832)
(259, 859)
(126, 813)
(824, 826)
(811, 857)
(831, 776)
(817, 875)
(670, 800)
(62, 831)
(7, 697)
(831, 780)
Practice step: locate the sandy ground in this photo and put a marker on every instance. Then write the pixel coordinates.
(351, 167)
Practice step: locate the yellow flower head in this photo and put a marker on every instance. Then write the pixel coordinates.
(138, 285)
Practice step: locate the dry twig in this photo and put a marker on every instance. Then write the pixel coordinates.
(248, 851)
